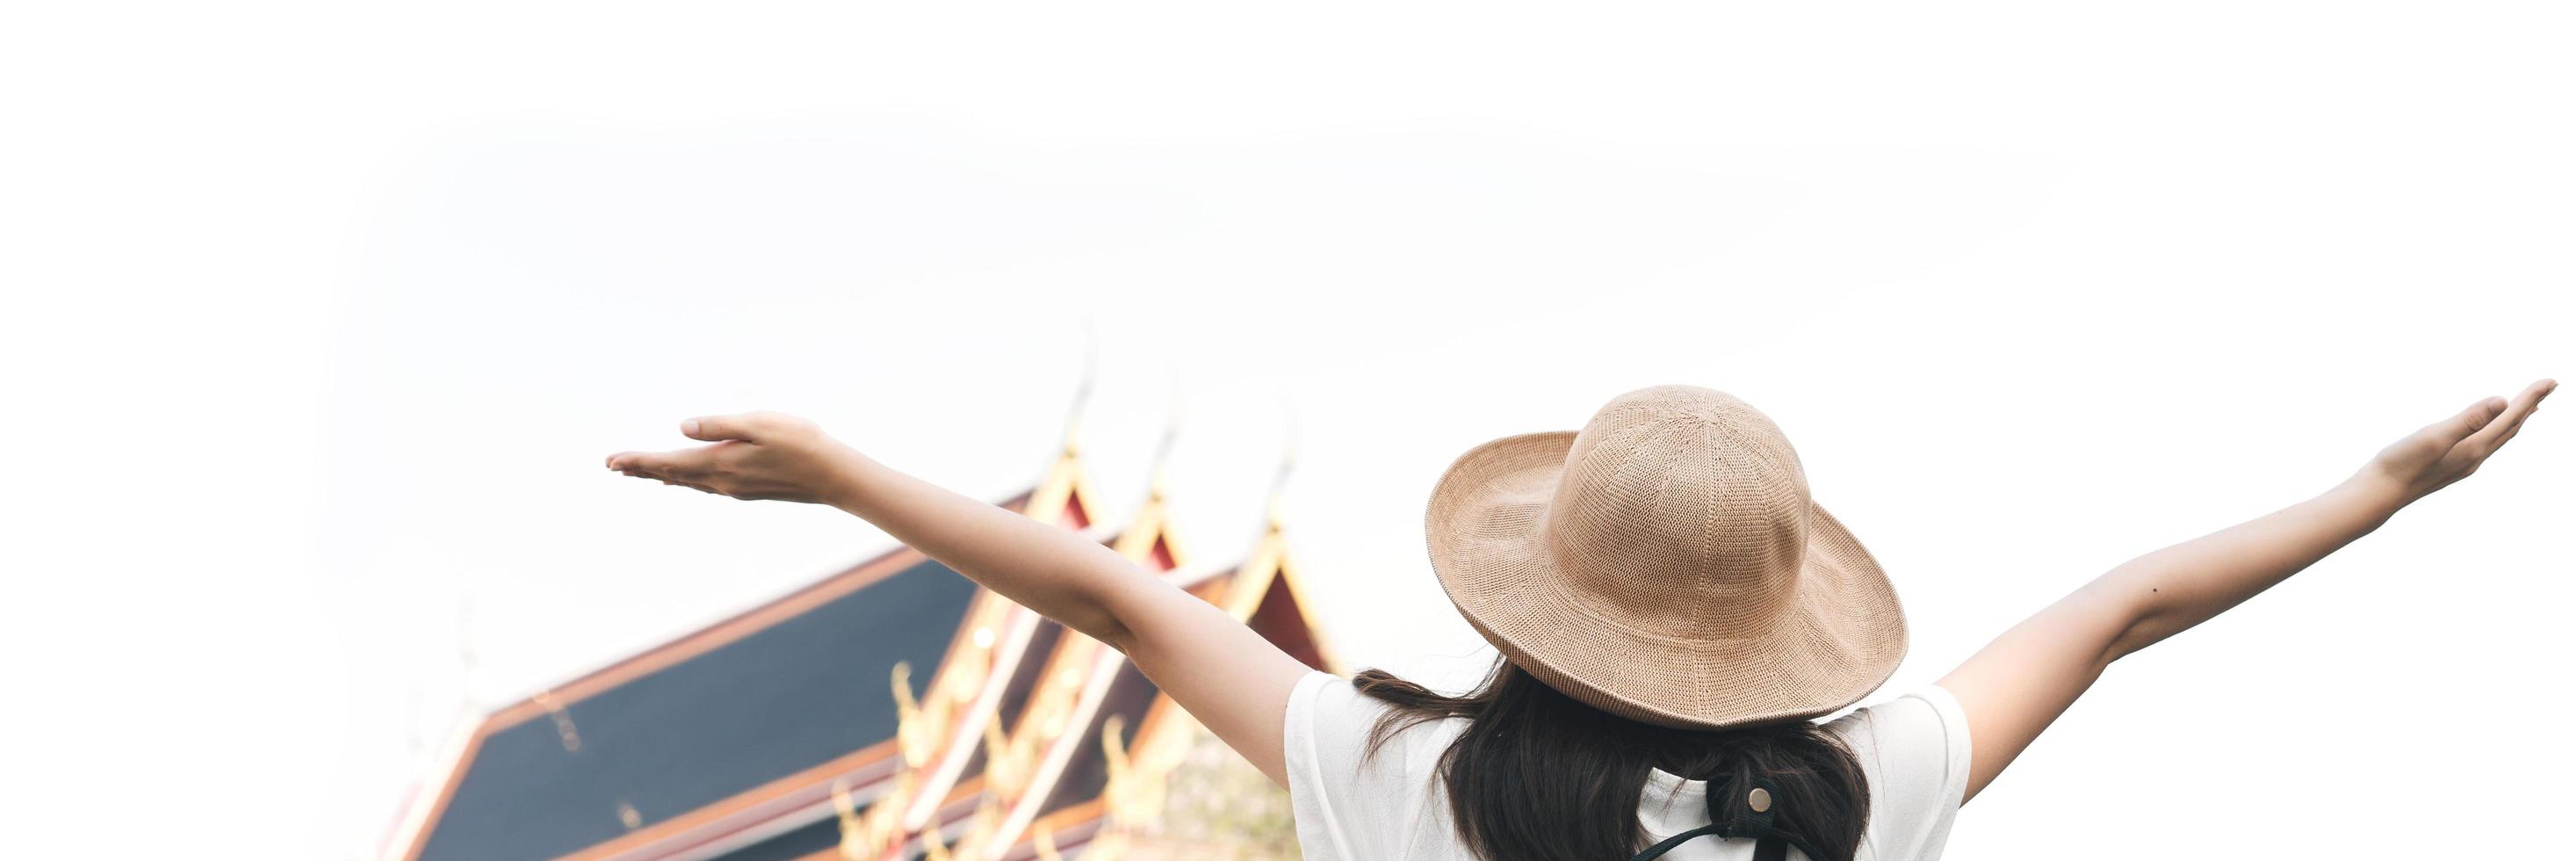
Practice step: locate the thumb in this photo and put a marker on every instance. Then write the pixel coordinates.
(2467, 422)
(719, 428)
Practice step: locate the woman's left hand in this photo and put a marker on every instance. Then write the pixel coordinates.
(2453, 448)
(755, 456)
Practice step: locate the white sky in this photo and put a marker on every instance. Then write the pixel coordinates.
(322, 317)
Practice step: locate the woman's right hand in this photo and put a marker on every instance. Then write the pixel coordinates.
(2015, 687)
(755, 456)
(2449, 450)
(1225, 675)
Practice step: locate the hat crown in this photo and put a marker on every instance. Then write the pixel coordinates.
(1685, 507)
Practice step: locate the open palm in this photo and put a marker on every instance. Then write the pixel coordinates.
(2453, 448)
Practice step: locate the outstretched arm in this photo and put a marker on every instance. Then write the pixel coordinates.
(2017, 685)
(1228, 677)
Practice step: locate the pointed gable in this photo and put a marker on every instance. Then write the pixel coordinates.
(729, 727)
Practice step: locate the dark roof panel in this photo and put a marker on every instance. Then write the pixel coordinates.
(1024, 678)
(778, 701)
(822, 835)
(1129, 696)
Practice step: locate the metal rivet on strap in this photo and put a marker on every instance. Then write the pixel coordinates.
(1759, 799)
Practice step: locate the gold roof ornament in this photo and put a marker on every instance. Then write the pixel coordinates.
(1071, 703)
(1135, 789)
(871, 835)
(1159, 482)
(1277, 513)
(918, 731)
(1271, 564)
(1046, 845)
(1064, 479)
(1006, 769)
(974, 663)
(995, 641)
(933, 848)
(1138, 779)
(1056, 720)
(857, 843)
(979, 833)
(935, 747)
(972, 845)
(565, 731)
(1107, 846)
(868, 835)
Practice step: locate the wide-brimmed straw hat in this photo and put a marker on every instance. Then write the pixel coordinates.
(1665, 565)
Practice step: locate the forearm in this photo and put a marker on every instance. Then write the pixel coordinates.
(2017, 685)
(1225, 675)
(2175, 588)
(1054, 571)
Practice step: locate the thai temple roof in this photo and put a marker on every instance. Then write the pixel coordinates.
(894, 710)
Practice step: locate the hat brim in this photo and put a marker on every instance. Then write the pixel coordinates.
(1835, 642)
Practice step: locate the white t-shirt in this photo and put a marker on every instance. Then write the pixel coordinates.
(1914, 750)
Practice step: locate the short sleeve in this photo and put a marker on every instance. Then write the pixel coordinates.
(1914, 751)
(1352, 806)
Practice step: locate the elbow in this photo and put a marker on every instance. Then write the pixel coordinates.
(1112, 633)
(2123, 644)
(2132, 622)
(2146, 624)
(1104, 615)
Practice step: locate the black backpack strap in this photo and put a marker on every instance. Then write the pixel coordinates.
(1771, 843)
(1658, 850)
(1770, 848)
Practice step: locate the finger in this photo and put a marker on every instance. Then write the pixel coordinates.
(2544, 387)
(2506, 424)
(720, 428)
(674, 482)
(633, 462)
(2460, 427)
(682, 464)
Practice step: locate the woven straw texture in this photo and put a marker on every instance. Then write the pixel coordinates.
(1666, 565)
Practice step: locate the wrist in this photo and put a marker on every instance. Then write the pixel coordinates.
(846, 478)
(2377, 493)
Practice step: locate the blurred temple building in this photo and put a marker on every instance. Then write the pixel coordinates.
(895, 710)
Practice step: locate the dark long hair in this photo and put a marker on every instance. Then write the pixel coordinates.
(1538, 776)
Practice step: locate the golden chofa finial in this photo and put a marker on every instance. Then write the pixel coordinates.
(1082, 390)
(1052, 707)
(970, 845)
(918, 730)
(911, 733)
(1120, 792)
(1046, 845)
(1006, 765)
(1159, 483)
(1135, 788)
(1106, 846)
(858, 842)
(965, 676)
(934, 849)
(1277, 513)
(869, 835)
